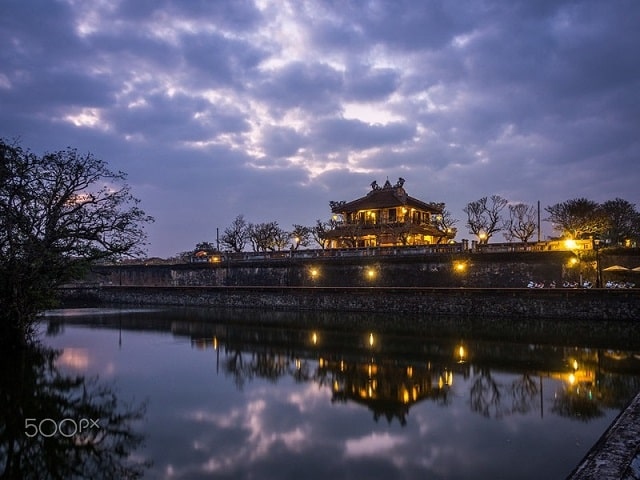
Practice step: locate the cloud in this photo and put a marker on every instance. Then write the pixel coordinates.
(272, 108)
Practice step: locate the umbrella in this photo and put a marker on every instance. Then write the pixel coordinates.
(616, 268)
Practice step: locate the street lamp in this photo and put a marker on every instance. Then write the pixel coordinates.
(596, 247)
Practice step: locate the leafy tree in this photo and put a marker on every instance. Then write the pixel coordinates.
(59, 213)
(577, 218)
(622, 219)
(236, 235)
(522, 222)
(483, 216)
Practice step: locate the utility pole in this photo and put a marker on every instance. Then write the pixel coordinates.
(538, 221)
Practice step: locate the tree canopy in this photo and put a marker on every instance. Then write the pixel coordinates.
(59, 213)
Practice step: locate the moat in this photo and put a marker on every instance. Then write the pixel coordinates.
(229, 395)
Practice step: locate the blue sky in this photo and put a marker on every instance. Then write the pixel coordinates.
(272, 108)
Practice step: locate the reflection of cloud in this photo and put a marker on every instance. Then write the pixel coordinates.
(261, 440)
(219, 420)
(77, 358)
(373, 444)
(262, 437)
(306, 398)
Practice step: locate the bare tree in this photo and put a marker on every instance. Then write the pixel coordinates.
(483, 216)
(236, 235)
(59, 213)
(267, 236)
(300, 236)
(522, 222)
(446, 224)
(319, 230)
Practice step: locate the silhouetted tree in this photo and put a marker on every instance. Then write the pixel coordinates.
(236, 235)
(483, 216)
(59, 213)
(319, 230)
(623, 221)
(267, 236)
(522, 222)
(577, 218)
(34, 389)
(300, 236)
(446, 224)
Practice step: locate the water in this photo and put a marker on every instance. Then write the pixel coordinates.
(222, 400)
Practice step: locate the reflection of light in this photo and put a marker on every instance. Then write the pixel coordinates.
(575, 365)
(405, 396)
(75, 358)
(461, 354)
(371, 339)
(572, 379)
(314, 338)
(409, 371)
(215, 343)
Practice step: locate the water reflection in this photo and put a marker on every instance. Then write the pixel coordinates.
(277, 396)
(58, 425)
(389, 374)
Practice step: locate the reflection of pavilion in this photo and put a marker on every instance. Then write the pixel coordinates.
(390, 374)
(388, 388)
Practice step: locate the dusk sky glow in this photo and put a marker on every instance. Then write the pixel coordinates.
(272, 108)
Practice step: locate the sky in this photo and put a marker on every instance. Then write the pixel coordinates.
(272, 108)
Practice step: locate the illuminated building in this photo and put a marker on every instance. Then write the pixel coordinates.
(386, 216)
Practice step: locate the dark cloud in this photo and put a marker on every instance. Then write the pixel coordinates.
(365, 84)
(334, 134)
(272, 109)
(220, 61)
(310, 87)
(281, 142)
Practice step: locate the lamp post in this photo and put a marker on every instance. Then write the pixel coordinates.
(596, 247)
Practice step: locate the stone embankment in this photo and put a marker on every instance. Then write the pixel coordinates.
(585, 304)
(579, 314)
(616, 456)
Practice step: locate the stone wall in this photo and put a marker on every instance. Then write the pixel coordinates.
(435, 270)
(491, 305)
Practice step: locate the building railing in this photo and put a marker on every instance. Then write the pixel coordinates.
(473, 247)
(409, 250)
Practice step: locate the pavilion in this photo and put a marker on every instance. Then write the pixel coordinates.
(386, 216)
